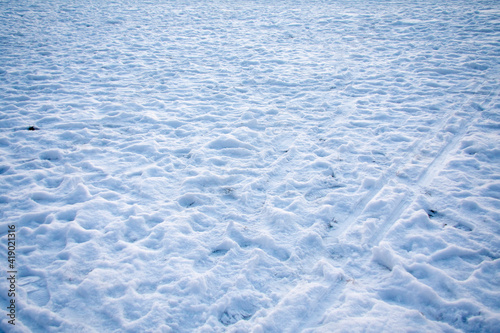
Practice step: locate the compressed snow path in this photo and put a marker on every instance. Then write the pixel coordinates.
(251, 166)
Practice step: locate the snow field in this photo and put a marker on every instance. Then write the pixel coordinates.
(251, 166)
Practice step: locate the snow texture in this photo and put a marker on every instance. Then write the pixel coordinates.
(251, 166)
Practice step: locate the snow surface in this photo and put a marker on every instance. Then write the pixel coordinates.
(251, 166)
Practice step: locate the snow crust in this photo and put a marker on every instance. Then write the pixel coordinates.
(251, 166)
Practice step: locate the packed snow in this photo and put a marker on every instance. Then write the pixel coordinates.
(251, 166)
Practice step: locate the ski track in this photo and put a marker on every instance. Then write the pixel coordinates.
(427, 173)
(405, 199)
(251, 167)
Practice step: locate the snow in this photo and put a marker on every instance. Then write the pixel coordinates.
(257, 166)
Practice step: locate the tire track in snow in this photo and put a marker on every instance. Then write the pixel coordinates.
(329, 297)
(405, 198)
(390, 175)
(380, 184)
(429, 172)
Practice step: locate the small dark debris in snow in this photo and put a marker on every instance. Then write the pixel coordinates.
(33, 128)
(219, 252)
(227, 191)
(332, 223)
(432, 213)
(463, 227)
